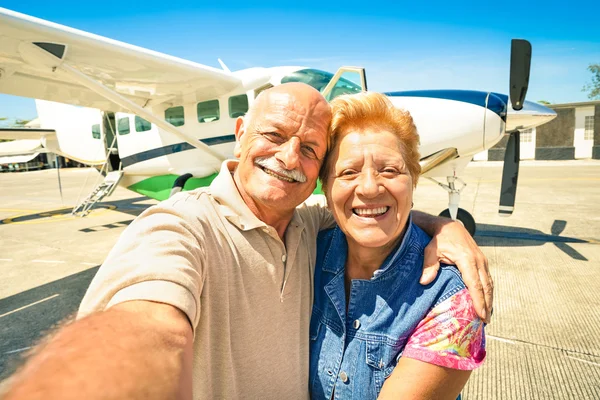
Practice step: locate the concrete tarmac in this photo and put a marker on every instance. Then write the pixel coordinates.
(544, 339)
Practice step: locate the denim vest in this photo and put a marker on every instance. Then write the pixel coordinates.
(354, 352)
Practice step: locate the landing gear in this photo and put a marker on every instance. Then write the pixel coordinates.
(457, 214)
(464, 217)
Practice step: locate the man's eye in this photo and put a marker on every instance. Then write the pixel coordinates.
(274, 137)
(309, 152)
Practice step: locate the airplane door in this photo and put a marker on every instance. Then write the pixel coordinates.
(347, 80)
(110, 141)
(527, 138)
(584, 132)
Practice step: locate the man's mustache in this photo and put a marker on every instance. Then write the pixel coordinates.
(272, 164)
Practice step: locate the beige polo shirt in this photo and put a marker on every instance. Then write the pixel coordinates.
(248, 296)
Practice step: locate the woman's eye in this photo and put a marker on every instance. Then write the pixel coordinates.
(390, 171)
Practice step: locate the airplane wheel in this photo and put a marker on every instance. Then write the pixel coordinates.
(464, 217)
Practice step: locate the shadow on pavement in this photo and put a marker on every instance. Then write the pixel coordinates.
(22, 329)
(127, 206)
(532, 237)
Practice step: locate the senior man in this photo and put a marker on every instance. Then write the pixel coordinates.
(208, 294)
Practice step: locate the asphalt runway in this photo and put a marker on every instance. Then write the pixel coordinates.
(544, 339)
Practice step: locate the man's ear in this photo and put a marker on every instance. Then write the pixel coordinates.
(240, 129)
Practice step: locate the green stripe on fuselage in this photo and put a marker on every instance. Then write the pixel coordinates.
(159, 187)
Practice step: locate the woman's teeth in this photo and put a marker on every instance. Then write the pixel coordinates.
(370, 212)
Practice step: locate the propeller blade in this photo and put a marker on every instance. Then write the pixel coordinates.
(520, 66)
(510, 175)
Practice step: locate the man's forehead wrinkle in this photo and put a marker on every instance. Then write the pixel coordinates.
(301, 109)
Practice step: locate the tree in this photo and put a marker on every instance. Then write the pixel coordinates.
(544, 102)
(594, 87)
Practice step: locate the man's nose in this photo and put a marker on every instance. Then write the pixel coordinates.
(368, 185)
(289, 153)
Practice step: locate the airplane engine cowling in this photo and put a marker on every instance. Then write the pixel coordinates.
(450, 118)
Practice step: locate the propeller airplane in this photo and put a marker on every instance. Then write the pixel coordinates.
(158, 124)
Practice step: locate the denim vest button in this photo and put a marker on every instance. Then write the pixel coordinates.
(356, 324)
(344, 376)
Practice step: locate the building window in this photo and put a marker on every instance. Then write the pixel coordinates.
(208, 111)
(238, 106)
(141, 125)
(123, 126)
(527, 136)
(174, 116)
(96, 131)
(588, 134)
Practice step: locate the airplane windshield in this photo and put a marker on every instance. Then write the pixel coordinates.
(319, 80)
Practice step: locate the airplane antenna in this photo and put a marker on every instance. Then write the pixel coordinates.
(223, 65)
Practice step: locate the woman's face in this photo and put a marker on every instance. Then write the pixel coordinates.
(369, 189)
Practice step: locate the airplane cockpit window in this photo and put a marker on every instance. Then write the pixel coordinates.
(319, 80)
(208, 111)
(261, 89)
(96, 131)
(141, 125)
(238, 106)
(123, 126)
(174, 116)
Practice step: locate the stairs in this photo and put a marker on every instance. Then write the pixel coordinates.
(104, 189)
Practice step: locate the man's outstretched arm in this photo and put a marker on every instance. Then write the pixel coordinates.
(133, 350)
(452, 244)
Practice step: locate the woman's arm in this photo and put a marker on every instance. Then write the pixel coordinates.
(440, 354)
(417, 380)
(452, 244)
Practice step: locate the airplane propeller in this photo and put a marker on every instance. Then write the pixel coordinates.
(520, 65)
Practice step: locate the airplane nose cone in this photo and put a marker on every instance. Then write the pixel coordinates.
(532, 115)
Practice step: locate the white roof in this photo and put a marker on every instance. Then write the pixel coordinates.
(17, 147)
(18, 159)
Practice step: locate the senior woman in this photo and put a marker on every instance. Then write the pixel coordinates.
(375, 330)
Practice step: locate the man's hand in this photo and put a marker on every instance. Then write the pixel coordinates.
(452, 244)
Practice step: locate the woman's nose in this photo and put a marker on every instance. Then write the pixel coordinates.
(368, 185)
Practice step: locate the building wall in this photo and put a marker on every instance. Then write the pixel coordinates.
(496, 153)
(555, 139)
(596, 148)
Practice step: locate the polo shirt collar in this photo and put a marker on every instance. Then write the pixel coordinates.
(233, 207)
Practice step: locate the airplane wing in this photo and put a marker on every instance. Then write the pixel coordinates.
(143, 76)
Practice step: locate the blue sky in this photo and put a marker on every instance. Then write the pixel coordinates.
(402, 45)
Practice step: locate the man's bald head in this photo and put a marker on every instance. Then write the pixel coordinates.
(303, 95)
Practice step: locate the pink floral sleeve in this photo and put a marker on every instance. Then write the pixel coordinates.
(451, 335)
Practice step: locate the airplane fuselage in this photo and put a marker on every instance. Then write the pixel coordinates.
(151, 158)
